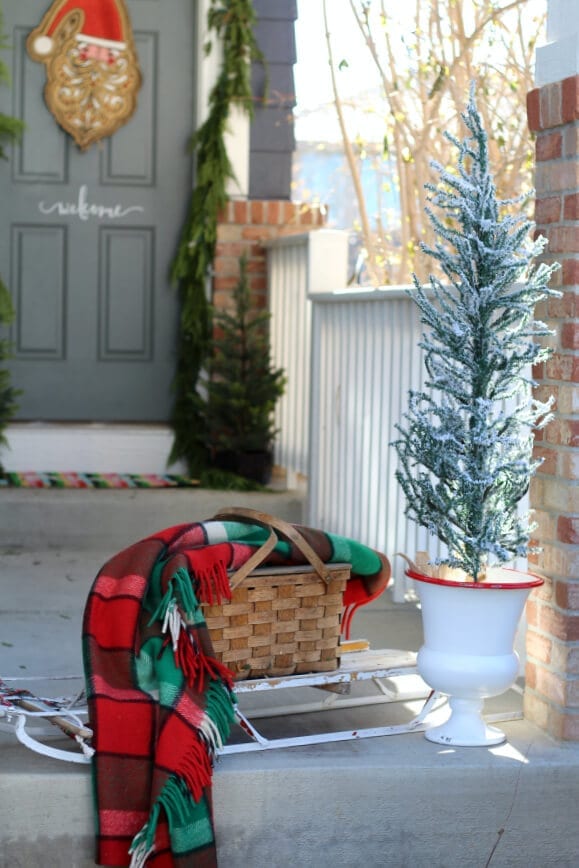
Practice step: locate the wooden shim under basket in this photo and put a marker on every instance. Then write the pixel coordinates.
(280, 621)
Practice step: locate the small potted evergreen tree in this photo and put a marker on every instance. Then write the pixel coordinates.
(465, 443)
(242, 388)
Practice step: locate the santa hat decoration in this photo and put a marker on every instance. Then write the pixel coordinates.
(103, 22)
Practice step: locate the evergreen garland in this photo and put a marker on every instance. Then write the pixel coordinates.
(233, 21)
(10, 131)
(465, 462)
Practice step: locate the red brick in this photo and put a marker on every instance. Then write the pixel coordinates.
(572, 693)
(539, 647)
(554, 433)
(273, 212)
(546, 525)
(532, 613)
(572, 660)
(563, 432)
(221, 299)
(224, 283)
(560, 724)
(536, 708)
(257, 265)
(548, 210)
(539, 371)
(568, 529)
(546, 391)
(570, 99)
(551, 105)
(549, 146)
(230, 249)
(289, 212)
(563, 367)
(306, 217)
(570, 271)
(569, 727)
(570, 141)
(226, 265)
(549, 458)
(257, 233)
(565, 306)
(240, 211)
(564, 239)
(571, 206)
(568, 465)
(530, 675)
(570, 336)
(533, 110)
(570, 429)
(558, 624)
(258, 282)
(257, 212)
(551, 685)
(567, 595)
(228, 233)
(568, 399)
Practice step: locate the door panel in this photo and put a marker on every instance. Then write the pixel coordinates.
(86, 239)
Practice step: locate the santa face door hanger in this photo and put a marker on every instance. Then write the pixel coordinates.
(92, 70)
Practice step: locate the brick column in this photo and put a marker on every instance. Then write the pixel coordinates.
(242, 228)
(552, 685)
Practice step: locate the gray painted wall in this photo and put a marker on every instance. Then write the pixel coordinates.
(272, 138)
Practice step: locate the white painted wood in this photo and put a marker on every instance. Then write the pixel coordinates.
(365, 357)
(299, 265)
(559, 57)
(90, 448)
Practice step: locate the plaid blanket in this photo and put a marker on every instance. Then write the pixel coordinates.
(160, 704)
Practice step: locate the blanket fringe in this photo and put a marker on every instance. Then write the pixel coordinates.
(196, 770)
(213, 583)
(197, 666)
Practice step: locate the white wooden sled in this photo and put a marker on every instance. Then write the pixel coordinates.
(391, 674)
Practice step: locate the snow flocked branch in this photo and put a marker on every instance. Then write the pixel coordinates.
(465, 458)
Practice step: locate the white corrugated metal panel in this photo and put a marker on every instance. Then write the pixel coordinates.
(297, 265)
(365, 358)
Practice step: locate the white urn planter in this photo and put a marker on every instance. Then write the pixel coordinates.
(468, 649)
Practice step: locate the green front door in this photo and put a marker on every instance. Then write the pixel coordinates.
(86, 238)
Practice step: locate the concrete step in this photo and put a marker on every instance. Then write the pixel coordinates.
(381, 803)
(110, 519)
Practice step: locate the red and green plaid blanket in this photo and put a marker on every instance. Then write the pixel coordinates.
(160, 704)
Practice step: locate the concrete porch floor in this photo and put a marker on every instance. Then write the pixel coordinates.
(388, 801)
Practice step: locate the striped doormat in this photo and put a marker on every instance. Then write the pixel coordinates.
(95, 480)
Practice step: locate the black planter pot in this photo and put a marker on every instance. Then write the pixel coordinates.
(256, 466)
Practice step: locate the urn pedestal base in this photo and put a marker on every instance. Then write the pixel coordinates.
(465, 727)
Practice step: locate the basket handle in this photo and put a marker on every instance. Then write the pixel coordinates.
(254, 516)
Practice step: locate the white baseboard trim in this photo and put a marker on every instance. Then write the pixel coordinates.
(89, 448)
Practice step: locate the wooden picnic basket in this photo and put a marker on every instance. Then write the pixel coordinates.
(280, 620)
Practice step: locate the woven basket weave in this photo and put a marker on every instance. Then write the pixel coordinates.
(280, 620)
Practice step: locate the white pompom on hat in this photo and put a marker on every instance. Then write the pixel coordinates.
(43, 45)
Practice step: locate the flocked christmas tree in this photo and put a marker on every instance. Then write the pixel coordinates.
(465, 462)
(10, 130)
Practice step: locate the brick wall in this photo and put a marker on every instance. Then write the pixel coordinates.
(552, 685)
(242, 228)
